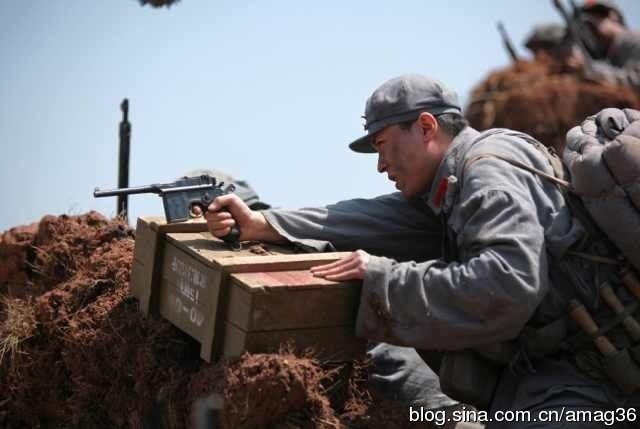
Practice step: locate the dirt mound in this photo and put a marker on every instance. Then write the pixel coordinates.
(263, 389)
(541, 101)
(75, 352)
(16, 243)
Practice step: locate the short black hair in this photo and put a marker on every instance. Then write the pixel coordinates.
(450, 123)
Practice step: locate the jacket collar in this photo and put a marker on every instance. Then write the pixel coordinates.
(445, 175)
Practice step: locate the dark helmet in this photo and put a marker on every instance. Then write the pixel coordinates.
(546, 36)
(243, 189)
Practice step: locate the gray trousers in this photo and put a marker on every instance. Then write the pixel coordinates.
(550, 397)
(556, 394)
(401, 375)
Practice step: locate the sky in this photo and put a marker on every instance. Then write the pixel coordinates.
(270, 92)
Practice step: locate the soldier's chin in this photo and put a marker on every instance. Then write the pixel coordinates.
(405, 192)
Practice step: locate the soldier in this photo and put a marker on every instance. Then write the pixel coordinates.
(611, 43)
(486, 306)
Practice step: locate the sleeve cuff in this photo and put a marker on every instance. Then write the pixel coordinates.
(374, 317)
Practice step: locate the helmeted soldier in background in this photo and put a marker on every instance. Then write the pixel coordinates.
(242, 188)
(613, 46)
(548, 43)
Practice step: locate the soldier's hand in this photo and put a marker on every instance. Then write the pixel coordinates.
(352, 267)
(227, 211)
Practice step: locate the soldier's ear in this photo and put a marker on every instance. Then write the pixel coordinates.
(429, 125)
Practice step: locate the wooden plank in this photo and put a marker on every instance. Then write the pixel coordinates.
(190, 280)
(186, 315)
(145, 244)
(269, 263)
(290, 300)
(332, 344)
(210, 249)
(277, 280)
(160, 224)
(237, 308)
(190, 291)
(146, 268)
(217, 254)
(303, 261)
(140, 278)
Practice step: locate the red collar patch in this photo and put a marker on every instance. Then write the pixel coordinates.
(440, 192)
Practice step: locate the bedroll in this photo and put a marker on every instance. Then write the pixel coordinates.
(603, 157)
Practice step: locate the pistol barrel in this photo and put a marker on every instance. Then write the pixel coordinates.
(150, 189)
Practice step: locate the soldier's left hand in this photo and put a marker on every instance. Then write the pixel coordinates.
(352, 267)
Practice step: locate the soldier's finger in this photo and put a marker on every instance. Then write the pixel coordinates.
(225, 223)
(217, 216)
(353, 274)
(222, 201)
(333, 264)
(347, 266)
(325, 266)
(220, 232)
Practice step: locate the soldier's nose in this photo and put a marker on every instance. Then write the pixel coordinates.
(382, 165)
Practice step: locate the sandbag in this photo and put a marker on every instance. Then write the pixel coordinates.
(603, 158)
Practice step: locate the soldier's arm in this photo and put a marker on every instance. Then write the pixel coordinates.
(386, 225)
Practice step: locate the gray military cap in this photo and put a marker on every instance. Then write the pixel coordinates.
(243, 189)
(546, 35)
(401, 99)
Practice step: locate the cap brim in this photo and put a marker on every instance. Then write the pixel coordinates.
(362, 145)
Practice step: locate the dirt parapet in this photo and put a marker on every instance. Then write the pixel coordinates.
(541, 101)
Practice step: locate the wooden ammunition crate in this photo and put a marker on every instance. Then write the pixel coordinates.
(254, 299)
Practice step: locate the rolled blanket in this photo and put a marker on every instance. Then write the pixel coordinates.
(603, 157)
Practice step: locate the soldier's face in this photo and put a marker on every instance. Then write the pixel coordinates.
(408, 157)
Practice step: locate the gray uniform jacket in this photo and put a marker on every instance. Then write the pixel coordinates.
(622, 66)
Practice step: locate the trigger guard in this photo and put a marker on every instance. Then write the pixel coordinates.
(192, 215)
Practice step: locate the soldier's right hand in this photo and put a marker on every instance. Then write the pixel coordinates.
(227, 211)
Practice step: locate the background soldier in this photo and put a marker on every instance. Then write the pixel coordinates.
(615, 47)
(548, 43)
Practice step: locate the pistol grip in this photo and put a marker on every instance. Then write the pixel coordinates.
(233, 238)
